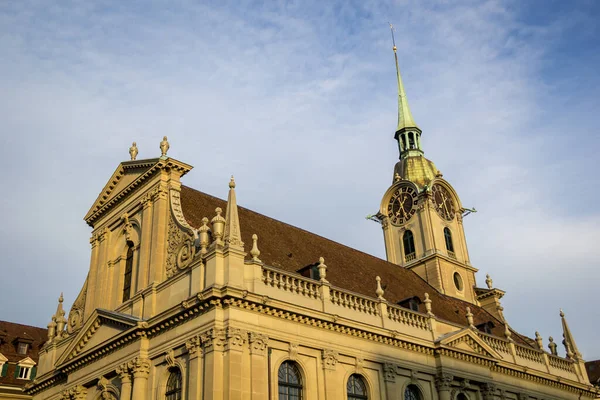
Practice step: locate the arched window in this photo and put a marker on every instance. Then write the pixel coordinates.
(412, 393)
(174, 383)
(356, 388)
(409, 246)
(290, 381)
(128, 270)
(448, 237)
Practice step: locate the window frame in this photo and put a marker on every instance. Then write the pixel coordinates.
(128, 273)
(448, 239)
(363, 383)
(408, 240)
(415, 390)
(175, 392)
(25, 345)
(294, 366)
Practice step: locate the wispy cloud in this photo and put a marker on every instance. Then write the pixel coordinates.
(298, 100)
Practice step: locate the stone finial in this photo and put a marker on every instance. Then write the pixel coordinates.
(164, 147)
(470, 317)
(397, 177)
(552, 346)
(52, 329)
(232, 236)
(255, 252)
(427, 303)
(539, 340)
(322, 270)
(203, 236)
(489, 282)
(439, 174)
(59, 317)
(379, 291)
(133, 151)
(507, 333)
(218, 223)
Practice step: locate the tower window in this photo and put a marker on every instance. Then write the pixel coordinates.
(408, 241)
(411, 140)
(174, 384)
(289, 381)
(356, 388)
(458, 282)
(128, 271)
(448, 238)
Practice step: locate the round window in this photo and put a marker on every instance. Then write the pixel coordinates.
(458, 282)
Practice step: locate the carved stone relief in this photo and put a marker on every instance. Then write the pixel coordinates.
(180, 250)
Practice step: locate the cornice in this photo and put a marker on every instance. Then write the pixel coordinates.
(224, 297)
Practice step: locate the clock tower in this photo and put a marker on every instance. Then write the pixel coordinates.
(421, 214)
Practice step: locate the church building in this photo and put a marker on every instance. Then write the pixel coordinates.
(192, 297)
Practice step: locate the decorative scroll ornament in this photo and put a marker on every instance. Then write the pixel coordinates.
(76, 393)
(170, 358)
(180, 250)
(330, 358)
(389, 372)
(75, 320)
(293, 351)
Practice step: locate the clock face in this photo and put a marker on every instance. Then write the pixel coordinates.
(402, 205)
(443, 202)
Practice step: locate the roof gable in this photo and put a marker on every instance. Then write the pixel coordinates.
(127, 177)
(466, 340)
(102, 325)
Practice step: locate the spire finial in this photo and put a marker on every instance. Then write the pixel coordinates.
(133, 151)
(203, 234)
(164, 147)
(569, 341)
(232, 236)
(405, 119)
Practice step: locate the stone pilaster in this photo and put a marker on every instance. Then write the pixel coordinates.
(259, 368)
(141, 371)
(236, 340)
(213, 341)
(330, 360)
(195, 366)
(124, 373)
(443, 384)
(389, 376)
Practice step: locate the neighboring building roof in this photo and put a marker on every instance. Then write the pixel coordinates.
(289, 248)
(10, 334)
(593, 370)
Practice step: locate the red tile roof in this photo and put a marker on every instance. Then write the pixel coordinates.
(290, 248)
(10, 333)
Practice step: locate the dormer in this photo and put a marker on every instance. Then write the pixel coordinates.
(22, 344)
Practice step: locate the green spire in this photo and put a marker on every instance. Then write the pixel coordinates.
(405, 118)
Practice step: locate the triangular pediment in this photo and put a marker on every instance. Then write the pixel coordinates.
(127, 177)
(467, 341)
(100, 327)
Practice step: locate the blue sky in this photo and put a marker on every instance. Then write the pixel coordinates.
(297, 99)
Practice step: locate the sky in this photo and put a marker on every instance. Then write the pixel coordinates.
(298, 100)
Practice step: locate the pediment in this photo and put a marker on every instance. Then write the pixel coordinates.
(3, 359)
(127, 177)
(100, 327)
(26, 362)
(467, 341)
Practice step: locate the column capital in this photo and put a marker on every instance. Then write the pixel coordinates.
(443, 381)
(488, 391)
(75, 393)
(194, 347)
(214, 339)
(140, 367)
(124, 372)
(236, 338)
(258, 343)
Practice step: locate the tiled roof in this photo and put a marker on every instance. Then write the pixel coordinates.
(9, 335)
(593, 370)
(290, 248)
